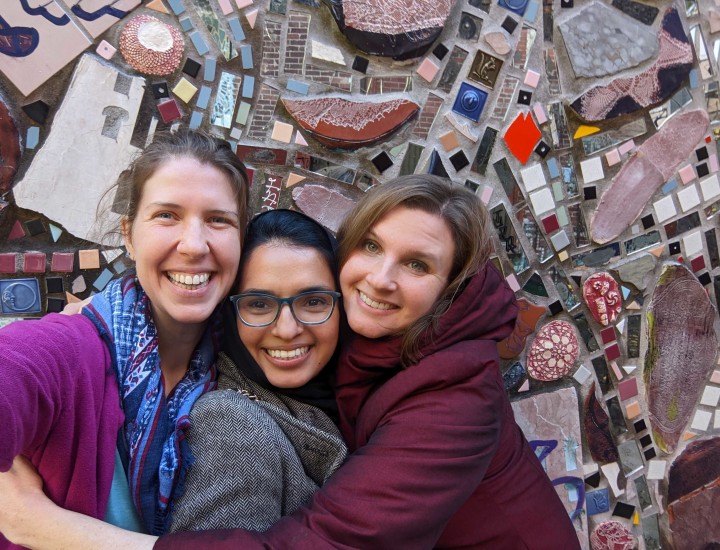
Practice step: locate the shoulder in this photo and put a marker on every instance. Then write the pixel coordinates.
(225, 411)
(55, 333)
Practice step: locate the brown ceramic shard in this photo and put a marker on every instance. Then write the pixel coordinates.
(401, 29)
(527, 320)
(681, 352)
(343, 124)
(9, 149)
(643, 174)
(597, 430)
(693, 490)
(327, 206)
(602, 296)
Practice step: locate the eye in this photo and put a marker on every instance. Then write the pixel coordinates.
(370, 246)
(317, 301)
(163, 215)
(256, 305)
(417, 265)
(220, 220)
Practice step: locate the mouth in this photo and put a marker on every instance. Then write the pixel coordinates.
(286, 354)
(374, 304)
(188, 281)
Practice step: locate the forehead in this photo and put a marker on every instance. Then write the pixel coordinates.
(413, 228)
(283, 269)
(188, 177)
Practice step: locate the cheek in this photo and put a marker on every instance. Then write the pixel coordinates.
(251, 338)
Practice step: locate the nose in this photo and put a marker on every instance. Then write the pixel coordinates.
(193, 241)
(381, 276)
(286, 326)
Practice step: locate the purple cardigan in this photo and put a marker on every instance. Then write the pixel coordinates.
(60, 407)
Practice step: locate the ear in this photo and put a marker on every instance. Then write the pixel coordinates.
(126, 229)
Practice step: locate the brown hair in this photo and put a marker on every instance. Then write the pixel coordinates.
(200, 146)
(463, 212)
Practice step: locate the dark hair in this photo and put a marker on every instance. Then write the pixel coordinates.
(463, 212)
(290, 228)
(165, 146)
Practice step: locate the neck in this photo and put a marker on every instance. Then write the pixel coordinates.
(175, 348)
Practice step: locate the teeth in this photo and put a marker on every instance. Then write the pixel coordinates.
(373, 304)
(187, 280)
(285, 354)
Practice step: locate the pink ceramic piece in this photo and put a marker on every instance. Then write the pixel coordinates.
(344, 124)
(650, 167)
(553, 352)
(151, 46)
(681, 352)
(323, 204)
(602, 296)
(612, 535)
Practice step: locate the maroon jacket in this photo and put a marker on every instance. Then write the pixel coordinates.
(438, 459)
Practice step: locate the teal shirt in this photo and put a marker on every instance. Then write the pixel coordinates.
(121, 511)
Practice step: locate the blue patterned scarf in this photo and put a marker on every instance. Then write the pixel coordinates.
(153, 449)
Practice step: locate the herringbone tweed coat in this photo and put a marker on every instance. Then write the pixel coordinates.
(258, 456)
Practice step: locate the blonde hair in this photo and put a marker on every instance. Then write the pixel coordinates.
(463, 212)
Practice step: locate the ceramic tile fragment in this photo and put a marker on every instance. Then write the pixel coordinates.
(185, 90)
(325, 205)
(596, 423)
(509, 238)
(498, 42)
(470, 102)
(597, 501)
(582, 375)
(533, 177)
(521, 137)
(692, 244)
(7, 262)
(485, 69)
(612, 535)
(157, 5)
(627, 95)
(542, 201)
(105, 50)
(701, 420)
(528, 317)
(592, 169)
(688, 198)
(151, 46)
(19, 296)
(644, 173)
(664, 209)
(553, 352)
(611, 471)
(428, 69)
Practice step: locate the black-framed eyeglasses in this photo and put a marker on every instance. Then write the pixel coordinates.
(256, 309)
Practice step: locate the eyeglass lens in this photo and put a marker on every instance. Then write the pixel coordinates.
(308, 308)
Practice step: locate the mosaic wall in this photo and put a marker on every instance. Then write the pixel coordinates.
(589, 128)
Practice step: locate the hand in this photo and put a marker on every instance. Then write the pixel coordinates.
(73, 308)
(21, 495)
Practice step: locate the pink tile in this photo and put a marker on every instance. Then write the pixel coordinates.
(225, 7)
(62, 262)
(715, 378)
(106, 50)
(612, 352)
(626, 147)
(531, 79)
(34, 262)
(540, 114)
(687, 173)
(607, 335)
(627, 388)
(7, 262)
(616, 369)
(428, 69)
(513, 282)
(17, 231)
(486, 194)
(612, 157)
(713, 163)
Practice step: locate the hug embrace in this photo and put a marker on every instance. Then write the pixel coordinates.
(347, 395)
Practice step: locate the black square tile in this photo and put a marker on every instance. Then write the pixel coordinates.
(645, 440)
(567, 3)
(472, 185)
(702, 170)
(702, 153)
(459, 161)
(555, 307)
(674, 248)
(191, 67)
(623, 510)
(509, 24)
(54, 285)
(360, 64)
(440, 51)
(542, 149)
(55, 305)
(650, 453)
(704, 279)
(382, 162)
(593, 480)
(640, 426)
(37, 111)
(34, 227)
(160, 90)
(590, 193)
(647, 221)
(524, 97)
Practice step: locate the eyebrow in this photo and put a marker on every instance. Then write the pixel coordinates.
(415, 254)
(161, 204)
(317, 288)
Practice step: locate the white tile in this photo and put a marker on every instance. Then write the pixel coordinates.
(542, 201)
(582, 374)
(693, 244)
(688, 197)
(664, 209)
(716, 423)
(656, 469)
(592, 169)
(701, 421)
(710, 396)
(560, 240)
(533, 177)
(710, 187)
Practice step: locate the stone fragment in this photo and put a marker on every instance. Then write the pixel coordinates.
(553, 352)
(681, 352)
(392, 28)
(343, 124)
(693, 490)
(323, 204)
(612, 535)
(636, 270)
(602, 296)
(603, 41)
(651, 165)
(498, 41)
(627, 95)
(597, 430)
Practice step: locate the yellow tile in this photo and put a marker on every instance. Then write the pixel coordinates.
(89, 259)
(632, 410)
(449, 140)
(563, 256)
(282, 132)
(583, 131)
(636, 519)
(184, 89)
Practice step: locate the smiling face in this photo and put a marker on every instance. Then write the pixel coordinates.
(288, 352)
(185, 241)
(398, 272)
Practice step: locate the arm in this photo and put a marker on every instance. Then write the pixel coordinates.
(29, 518)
